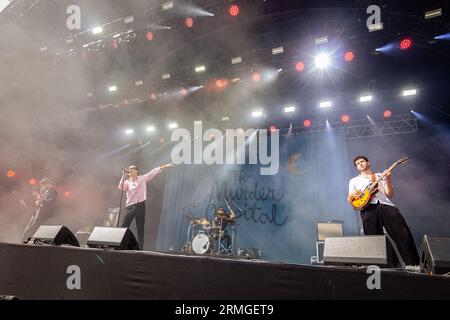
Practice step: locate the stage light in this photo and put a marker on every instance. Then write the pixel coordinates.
(173, 125)
(184, 92)
(307, 123)
(322, 61)
(149, 35)
(321, 40)
(345, 118)
(406, 44)
(256, 77)
(236, 60)
(349, 56)
(300, 66)
(199, 69)
(189, 22)
(387, 113)
(445, 36)
(273, 129)
(139, 82)
(234, 10)
(289, 109)
(150, 129)
(219, 83)
(325, 104)
(112, 88)
(277, 50)
(129, 131)
(257, 114)
(10, 173)
(365, 98)
(225, 119)
(32, 181)
(167, 5)
(97, 30)
(66, 194)
(433, 13)
(166, 76)
(410, 92)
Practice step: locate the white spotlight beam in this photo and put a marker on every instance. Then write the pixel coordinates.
(325, 104)
(97, 30)
(322, 61)
(289, 109)
(365, 98)
(112, 88)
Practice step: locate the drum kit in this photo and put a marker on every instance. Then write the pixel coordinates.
(207, 237)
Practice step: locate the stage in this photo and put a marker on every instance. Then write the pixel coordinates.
(61, 273)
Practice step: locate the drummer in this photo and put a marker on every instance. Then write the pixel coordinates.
(221, 222)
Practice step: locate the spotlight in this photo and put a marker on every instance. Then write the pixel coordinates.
(405, 44)
(139, 83)
(112, 88)
(300, 66)
(349, 56)
(129, 131)
(236, 60)
(97, 30)
(151, 129)
(219, 83)
(289, 109)
(10, 173)
(410, 92)
(199, 69)
(307, 123)
(256, 77)
(167, 5)
(32, 181)
(173, 125)
(365, 98)
(234, 10)
(66, 194)
(149, 36)
(387, 113)
(345, 118)
(257, 114)
(433, 13)
(322, 61)
(184, 92)
(325, 104)
(166, 76)
(225, 118)
(189, 22)
(277, 50)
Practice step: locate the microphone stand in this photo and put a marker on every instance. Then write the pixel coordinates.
(121, 197)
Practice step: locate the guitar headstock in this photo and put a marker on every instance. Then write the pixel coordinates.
(402, 160)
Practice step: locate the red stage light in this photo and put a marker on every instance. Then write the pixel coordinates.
(189, 22)
(149, 36)
(32, 181)
(256, 77)
(406, 44)
(184, 92)
(219, 83)
(349, 56)
(345, 118)
(10, 173)
(272, 129)
(234, 10)
(387, 113)
(300, 66)
(307, 123)
(66, 194)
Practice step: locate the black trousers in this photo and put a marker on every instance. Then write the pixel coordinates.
(377, 216)
(136, 211)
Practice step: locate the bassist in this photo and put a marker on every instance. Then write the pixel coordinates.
(381, 212)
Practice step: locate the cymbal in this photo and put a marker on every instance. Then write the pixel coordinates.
(203, 221)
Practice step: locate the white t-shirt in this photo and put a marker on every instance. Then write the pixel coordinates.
(361, 182)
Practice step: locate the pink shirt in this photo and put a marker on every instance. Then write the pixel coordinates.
(137, 191)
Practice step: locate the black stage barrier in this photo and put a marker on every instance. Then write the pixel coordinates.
(50, 272)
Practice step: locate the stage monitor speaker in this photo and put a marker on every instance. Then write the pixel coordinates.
(117, 238)
(55, 235)
(435, 255)
(366, 250)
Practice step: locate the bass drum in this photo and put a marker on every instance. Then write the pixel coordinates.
(201, 244)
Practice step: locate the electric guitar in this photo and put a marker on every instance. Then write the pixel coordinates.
(362, 199)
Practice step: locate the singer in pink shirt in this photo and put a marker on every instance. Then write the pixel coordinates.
(135, 188)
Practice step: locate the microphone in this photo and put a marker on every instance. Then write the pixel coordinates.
(126, 170)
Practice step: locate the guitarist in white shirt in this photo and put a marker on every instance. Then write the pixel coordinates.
(381, 212)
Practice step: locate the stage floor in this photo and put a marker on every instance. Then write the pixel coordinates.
(50, 272)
